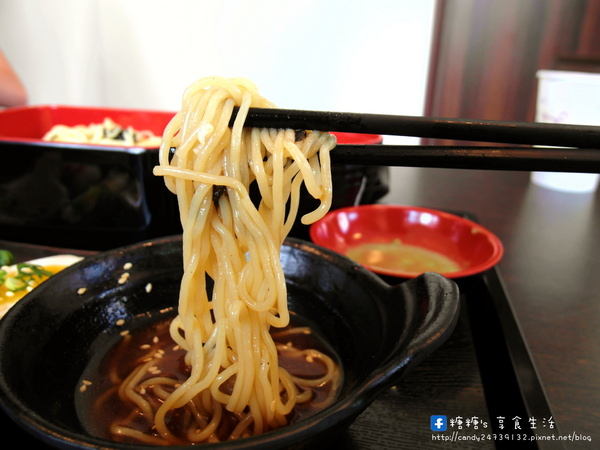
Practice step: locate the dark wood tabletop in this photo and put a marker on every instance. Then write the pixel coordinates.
(551, 273)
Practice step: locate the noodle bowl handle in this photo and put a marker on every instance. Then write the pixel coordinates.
(435, 313)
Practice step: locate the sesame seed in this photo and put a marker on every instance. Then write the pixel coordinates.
(127, 266)
(84, 385)
(81, 291)
(124, 277)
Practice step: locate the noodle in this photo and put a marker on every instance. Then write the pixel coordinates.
(232, 358)
(106, 133)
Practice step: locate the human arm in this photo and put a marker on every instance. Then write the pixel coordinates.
(12, 90)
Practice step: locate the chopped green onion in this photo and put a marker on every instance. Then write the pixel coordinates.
(6, 258)
(15, 284)
(26, 274)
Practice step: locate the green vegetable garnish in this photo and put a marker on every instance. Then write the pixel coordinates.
(14, 284)
(26, 274)
(6, 258)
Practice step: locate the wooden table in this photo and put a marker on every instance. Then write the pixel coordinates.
(551, 272)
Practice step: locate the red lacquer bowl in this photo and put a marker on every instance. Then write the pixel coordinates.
(405, 241)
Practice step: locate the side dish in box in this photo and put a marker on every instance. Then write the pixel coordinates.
(83, 125)
(82, 195)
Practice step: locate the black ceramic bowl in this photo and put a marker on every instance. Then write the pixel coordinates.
(378, 331)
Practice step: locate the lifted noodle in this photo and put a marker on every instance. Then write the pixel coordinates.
(232, 357)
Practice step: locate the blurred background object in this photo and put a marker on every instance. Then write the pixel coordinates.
(142, 54)
(81, 195)
(566, 96)
(485, 54)
(12, 91)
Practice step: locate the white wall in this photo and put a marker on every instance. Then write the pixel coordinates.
(343, 55)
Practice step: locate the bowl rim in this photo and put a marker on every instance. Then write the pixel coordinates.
(493, 239)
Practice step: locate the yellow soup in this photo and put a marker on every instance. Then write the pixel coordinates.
(11, 293)
(396, 256)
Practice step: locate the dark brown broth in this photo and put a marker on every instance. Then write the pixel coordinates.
(98, 404)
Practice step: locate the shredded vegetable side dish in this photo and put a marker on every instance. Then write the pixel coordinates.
(107, 133)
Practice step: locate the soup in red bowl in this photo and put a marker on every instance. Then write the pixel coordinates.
(405, 241)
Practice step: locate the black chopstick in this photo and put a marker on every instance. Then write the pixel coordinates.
(471, 157)
(520, 133)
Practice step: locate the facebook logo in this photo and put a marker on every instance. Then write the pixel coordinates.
(438, 423)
